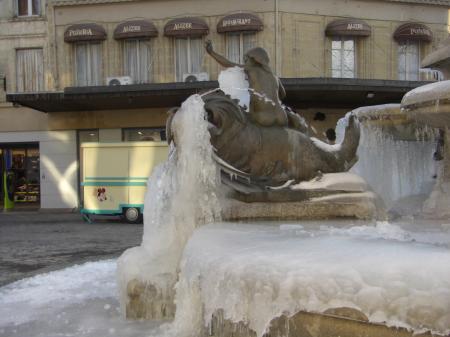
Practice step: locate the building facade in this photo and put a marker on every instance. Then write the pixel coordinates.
(59, 61)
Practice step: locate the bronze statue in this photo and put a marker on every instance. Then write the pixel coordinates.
(268, 145)
(274, 155)
(266, 89)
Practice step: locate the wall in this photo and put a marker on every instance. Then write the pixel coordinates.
(21, 119)
(107, 119)
(58, 165)
(302, 51)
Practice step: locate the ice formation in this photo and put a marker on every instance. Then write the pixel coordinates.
(75, 301)
(233, 82)
(393, 168)
(181, 196)
(428, 92)
(256, 272)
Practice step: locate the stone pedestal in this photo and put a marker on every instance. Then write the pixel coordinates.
(334, 195)
(341, 322)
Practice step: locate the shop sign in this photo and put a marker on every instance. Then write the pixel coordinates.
(355, 26)
(189, 26)
(240, 22)
(413, 31)
(348, 27)
(84, 32)
(135, 29)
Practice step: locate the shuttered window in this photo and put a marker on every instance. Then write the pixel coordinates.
(28, 7)
(237, 44)
(409, 60)
(137, 60)
(29, 70)
(343, 58)
(88, 64)
(188, 56)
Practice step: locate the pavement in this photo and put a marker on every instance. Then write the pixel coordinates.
(34, 242)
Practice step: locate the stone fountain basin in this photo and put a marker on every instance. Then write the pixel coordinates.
(255, 273)
(429, 104)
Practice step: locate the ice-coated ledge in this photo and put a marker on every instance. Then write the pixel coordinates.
(256, 272)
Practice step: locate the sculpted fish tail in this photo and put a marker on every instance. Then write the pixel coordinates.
(347, 152)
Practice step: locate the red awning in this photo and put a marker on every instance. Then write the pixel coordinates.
(186, 27)
(240, 22)
(413, 31)
(348, 27)
(84, 32)
(135, 29)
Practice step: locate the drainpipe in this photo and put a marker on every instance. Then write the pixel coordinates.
(277, 51)
(54, 51)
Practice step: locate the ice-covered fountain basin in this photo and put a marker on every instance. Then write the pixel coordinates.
(256, 272)
(429, 104)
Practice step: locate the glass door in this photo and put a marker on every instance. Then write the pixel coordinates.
(25, 166)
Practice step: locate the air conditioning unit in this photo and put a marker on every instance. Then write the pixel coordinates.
(427, 74)
(119, 80)
(195, 77)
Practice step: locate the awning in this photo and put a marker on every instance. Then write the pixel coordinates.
(348, 27)
(413, 31)
(135, 29)
(84, 32)
(186, 27)
(240, 22)
(301, 93)
(440, 58)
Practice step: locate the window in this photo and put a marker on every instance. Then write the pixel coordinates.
(238, 44)
(28, 7)
(144, 134)
(88, 64)
(29, 70)
(343, 63)
(188, 56)
(137, 60)
(408, 60)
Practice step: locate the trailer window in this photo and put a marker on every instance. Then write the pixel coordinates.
(144, 134)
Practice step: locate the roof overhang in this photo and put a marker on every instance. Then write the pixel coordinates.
(300, 93)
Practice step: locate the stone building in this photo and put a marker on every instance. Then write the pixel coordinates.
(59, 59)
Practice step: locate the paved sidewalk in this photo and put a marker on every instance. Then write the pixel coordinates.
(37, 242)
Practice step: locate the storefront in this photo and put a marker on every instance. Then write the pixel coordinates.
(20, 175)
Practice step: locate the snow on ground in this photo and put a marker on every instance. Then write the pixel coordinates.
(394, 273)
(77, 301)
(255, 272)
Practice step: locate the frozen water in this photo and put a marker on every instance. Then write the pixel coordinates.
(76, 301)
(394, 273)
(234, 83)
(256, 272)
(181, 196)
(428, 92)
(393, 168)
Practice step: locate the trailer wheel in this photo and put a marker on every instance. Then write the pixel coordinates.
(132, 215)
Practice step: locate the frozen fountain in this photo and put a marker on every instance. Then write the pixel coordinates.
(253, 228)
(305, 272)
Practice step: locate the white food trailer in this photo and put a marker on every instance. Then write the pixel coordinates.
(114, 177)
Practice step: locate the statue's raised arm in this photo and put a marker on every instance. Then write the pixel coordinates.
(219, 58)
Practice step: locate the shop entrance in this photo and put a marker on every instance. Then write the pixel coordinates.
(20, 176)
